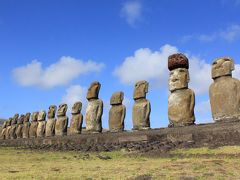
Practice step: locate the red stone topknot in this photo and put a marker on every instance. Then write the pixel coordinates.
(177, 60)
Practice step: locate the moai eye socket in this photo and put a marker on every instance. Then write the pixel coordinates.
(181, 70)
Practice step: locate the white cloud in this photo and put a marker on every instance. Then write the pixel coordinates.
(131, 11)
(57, 74)
(236, 72)
(203, 107)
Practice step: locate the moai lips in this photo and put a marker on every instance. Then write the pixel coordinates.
(26, 126)
(19, 132)
(34, 125)
(141, 108)
(41, 124)
(51, 122)
(77, 119)
(224, 92)
(14, 127)
(117, 113)
(62, 120)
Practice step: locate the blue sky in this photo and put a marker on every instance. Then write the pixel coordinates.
(51, 51)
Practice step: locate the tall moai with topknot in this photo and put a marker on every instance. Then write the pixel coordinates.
(181, 101)
(117, 112)
(19, 132)
(224, 92)
(51, 121)
(141, 108)
(26, 126)
(14, 127)
(41, 124)
(62, 120)
(34, 125)
(77, 119)
(94, 109)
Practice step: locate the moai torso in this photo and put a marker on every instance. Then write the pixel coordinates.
(141, 108)
(41, 124)
(26, 126)
(94, 109)
(20, 126)
(33, 126)
(77, 119)
(14, 127)
(224, 92)
(4, 129)
(50, 125)
(62, 121)
(117, 113)
(8, 128)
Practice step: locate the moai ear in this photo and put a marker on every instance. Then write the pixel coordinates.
(188, 77)
(146, 87)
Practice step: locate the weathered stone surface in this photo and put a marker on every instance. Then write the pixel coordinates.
(8, 128)
(62, 120)
(41, 124)
(19, 132)
(179, 79)
(34, 125)
(94, 109)
(177, 60)
(224, 92)
(141, 108)
(77, 119)
(4, 129)
(26, 126)
(117, 113)
(50, 125)
(14, 127)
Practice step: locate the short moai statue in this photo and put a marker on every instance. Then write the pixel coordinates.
(94, 109)
(4, 129)
(19, 132)
(141, 108)
(14, 127)
(41, 124)
(224, 92)
(117, 112)
(77, 119)
(62, 120)
(26, 126)
(8, 128)
(181, 101)
(34, 125)
(50, 125)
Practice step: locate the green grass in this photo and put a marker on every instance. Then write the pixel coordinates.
(200, 163)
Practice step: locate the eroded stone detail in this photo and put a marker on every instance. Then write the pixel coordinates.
(8, 128)
(141, 108)
(26, 126)
(117, 112)
(34, 125)
(50, 125)
(62, 120)
(14, 127)
(4, 129)
(77, 119)
(224, 92)
(19, 132)
(41, 124)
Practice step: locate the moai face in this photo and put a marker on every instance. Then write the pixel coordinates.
(41, 116)
(9, 122)
(222, 67)
(15, 119)
(93, 90)
(21, 119)
(141, 88)
(178, 79)
(27, 117)
(77, 107)
(62, 109)
(117, 98)
(52, 111)
(34, 116)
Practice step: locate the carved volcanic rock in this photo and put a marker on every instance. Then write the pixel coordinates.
(177, 60)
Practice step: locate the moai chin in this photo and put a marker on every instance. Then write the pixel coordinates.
(41, 124)
(4, 129)
(117, 112)
(34, 125)
(50, 125)
(19, 132)
(62, 120)
(181, 101)
(94, 109)
(77, 119)
(8, 128)
(224, 92)
(141, 108)
(26, 126)
(14, 127)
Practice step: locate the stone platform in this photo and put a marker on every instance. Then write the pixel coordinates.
(161, 140)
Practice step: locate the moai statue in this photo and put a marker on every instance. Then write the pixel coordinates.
(26, 126)
(141, 108)
(14, 127)
(4, 129)
(34, 125)
(117, 112)
(20, 126)
(181, 101)
(41, 124)
(8, 128)
(62, 120)
(94, 109)
(77, 119)
(224, 92)
(50, 126)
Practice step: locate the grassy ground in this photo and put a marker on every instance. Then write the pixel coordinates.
(201, 163)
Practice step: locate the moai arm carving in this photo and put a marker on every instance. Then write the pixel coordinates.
(147, 118)
(123, 114)
(192, 105)
(100, 110)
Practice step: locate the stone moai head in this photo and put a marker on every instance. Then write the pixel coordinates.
(62, 109)
(41, 116)
(222, 67)
(52, 111)
(21, 119)
(34, 116)
(9, 122)
(179, 76)
(27, 117)
(141, 89)
(14, 119)
(93, 90)
(117, 98)
(77, 107)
